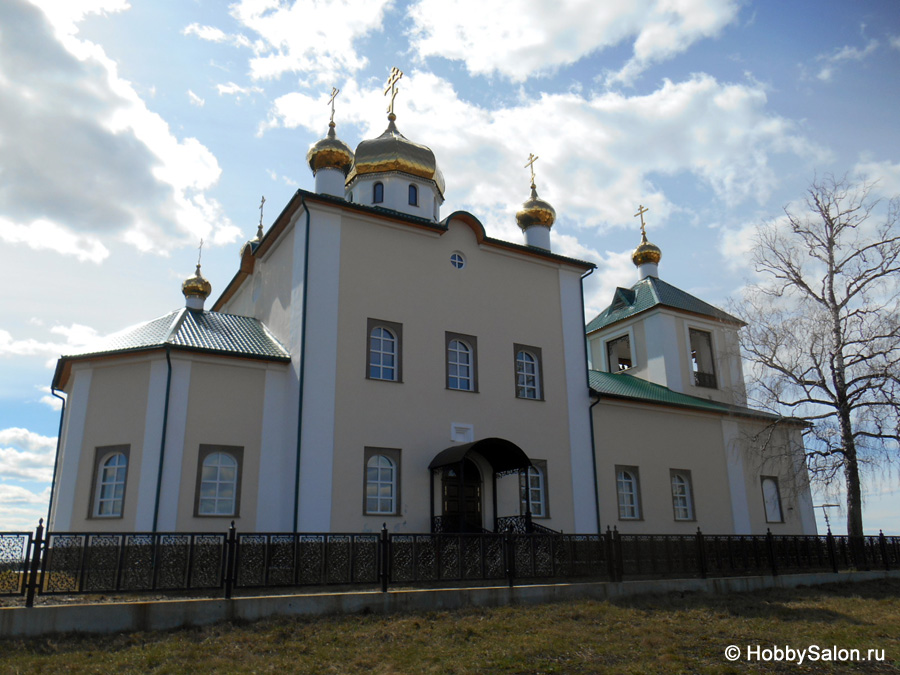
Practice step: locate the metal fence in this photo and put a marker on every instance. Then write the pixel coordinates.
(85, 562)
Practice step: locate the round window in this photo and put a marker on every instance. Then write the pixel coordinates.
(458, 260)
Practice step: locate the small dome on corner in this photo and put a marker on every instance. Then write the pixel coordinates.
(330, 153)
(535, 211)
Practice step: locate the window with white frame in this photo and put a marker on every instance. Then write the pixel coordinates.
(618, 354)
(382, 482)
(218, 480)
(533, 487)
(528, 372)
(702, 360)
(110, 476)
(384, 354)
(628, 492)
(462, 362)
(682, 494)
(772, 499)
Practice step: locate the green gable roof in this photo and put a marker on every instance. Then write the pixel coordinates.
(652, 292)
(190, 330)
(625, 386)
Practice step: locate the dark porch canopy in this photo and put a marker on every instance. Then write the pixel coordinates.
(503, 456)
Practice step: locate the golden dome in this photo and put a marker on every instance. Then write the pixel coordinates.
(330, 153)
(196, 285)
(535, 211)
(646, 252)
(392, 151)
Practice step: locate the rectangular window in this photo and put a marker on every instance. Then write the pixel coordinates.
(702, 361)
(381, 482)
(529, 372)
(682, 494)
(628, 492)
(384, 354)
(218, 486)
(533, 487)
(772, 499)
(109, 480)
(618, 354)
(461, 361)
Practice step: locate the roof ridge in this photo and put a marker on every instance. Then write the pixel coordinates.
(181, 314)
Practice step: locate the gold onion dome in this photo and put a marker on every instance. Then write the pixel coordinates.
(535, 211)
(646, 252)
(330, 153)
(392, 151)
(196, 285)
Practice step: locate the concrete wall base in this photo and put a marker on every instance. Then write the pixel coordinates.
(169, 614)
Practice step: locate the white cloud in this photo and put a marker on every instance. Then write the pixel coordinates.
(598, 153)
(83, 159)
(78, 337)
(886, 174)
(842, 54)
(49, 399)
(20, 508)
(232, 89)
(25, 455)
(895, 42)
(213, 34)
(614, 269)
(195, 100)
(528, 38)
(309, 36)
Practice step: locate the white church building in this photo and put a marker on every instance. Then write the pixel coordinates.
(373, 361)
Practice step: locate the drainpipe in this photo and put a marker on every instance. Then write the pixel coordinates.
(162, 443)
(62, 414)
(587, 377)
(302, 365)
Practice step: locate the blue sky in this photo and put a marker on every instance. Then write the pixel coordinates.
(128, 132)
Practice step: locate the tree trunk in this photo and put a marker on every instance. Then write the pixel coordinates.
(854, 494)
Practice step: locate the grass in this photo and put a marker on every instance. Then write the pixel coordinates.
(652, 634)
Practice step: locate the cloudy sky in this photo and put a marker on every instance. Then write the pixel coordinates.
(129, 131)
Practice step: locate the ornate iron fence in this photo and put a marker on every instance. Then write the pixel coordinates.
(91, 562)
(14, 555)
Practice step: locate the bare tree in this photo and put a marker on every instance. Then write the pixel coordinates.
(823, 334)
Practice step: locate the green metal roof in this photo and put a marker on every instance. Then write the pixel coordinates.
(196, 330)
(653, 292)
(623, 385)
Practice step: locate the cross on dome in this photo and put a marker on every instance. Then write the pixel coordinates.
(391, 87)
(641, 211)
(334, 92)
(532, 158)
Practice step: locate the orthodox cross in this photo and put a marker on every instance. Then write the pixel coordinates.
(641, 211)
(259, 232)
(334, 92)
(530, 164)
(391, 87)
(199, 254)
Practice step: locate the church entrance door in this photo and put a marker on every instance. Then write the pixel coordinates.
(461, 497)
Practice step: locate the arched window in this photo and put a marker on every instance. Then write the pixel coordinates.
(110, 494)
(382, 354)
(377, 193)
(527, 378)
(535, 482)
(627, 490)
(381, 485)
(413, 195)
(682, 499)
(459, 366)
(218, 485)
(772, 500)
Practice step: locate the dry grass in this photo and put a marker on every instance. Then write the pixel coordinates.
(668, 634)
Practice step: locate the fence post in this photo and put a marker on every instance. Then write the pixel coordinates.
(832, 553)
(385, 557)
(617, 554)
(882, 542)
(608, 550)
(701, 554)
(770, 547)
(510, 549)
(230, 554)
(35, 564)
